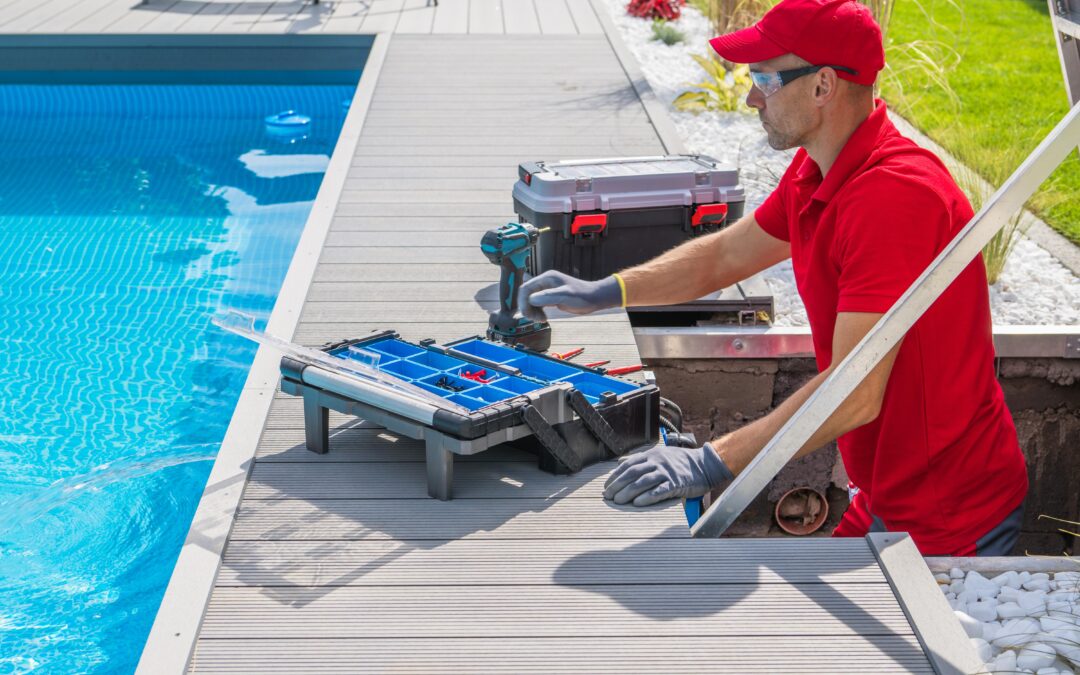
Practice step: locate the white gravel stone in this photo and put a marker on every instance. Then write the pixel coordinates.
(1063, 596)
(957, 587)
(942, 578)
(982, 611)
(982, 586)
(1072, 578)
(1061, 607)
(1050, 623)
(970, 625)
(1010, 610)
(1032, 603)
(1036, 655)
(983, 649)
(956, 573)
(1016, 633)
(1005, 662)
(968, 597)
(1009, 579)
(1067, 644)
(1009, 594)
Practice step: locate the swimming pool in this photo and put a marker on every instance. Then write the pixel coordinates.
(129, 215)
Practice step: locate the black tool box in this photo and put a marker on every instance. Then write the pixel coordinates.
(605, 215)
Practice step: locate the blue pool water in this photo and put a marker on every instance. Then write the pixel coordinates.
(129, 215)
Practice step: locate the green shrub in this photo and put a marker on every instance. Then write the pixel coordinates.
(724, 88)
(664, 32)
(978, 190)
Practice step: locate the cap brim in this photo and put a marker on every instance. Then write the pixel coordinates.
(748, 45)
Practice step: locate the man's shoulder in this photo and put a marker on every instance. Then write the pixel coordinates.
(898, 168)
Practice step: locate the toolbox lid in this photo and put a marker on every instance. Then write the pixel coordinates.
(625, 183)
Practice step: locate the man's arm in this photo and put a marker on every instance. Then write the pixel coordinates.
(704, 264)
(739, 447)
(665, 472)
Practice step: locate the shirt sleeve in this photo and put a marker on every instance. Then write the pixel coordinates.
(771, 215)
(889, 229)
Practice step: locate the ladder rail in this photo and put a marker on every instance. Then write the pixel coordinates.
(1064, 20)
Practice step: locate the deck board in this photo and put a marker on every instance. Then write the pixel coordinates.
(541, 656)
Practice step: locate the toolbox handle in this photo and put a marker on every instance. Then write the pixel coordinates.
(481, 361)
(709, 211)
(589, 223)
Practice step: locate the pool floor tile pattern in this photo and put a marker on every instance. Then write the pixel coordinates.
(340, 563)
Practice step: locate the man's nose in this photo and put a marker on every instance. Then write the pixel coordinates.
(755, 98)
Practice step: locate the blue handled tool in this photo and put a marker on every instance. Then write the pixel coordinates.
(510, 246)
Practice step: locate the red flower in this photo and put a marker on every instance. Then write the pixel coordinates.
(668, 10)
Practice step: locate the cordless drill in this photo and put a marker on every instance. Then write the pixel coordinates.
(509, 246)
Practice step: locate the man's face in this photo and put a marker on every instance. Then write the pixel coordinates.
(789, 114)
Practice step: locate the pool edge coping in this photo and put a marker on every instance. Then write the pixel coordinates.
(171, 642)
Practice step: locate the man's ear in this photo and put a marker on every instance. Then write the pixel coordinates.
(825, 85)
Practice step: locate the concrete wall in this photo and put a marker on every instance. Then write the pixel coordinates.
(1043, 394)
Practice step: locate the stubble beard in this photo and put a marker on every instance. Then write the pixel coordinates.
(777, 138)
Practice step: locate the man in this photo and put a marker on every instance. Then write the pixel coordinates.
(861, 211)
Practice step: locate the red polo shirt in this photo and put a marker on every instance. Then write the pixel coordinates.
(942, 460)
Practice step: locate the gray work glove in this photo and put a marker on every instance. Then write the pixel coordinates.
(575, 296)
(666, 472)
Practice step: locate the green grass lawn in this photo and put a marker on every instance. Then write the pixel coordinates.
(1009, 85)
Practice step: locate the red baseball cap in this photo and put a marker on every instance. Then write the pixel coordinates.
(823, 32)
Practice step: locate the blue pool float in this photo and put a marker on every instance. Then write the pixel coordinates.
(290, 119)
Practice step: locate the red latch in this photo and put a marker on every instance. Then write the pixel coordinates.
(706, 210)
(528, 179)
(593, 223)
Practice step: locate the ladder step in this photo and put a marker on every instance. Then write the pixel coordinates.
(1068, 23)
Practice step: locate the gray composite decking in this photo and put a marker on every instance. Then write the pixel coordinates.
(340, 563)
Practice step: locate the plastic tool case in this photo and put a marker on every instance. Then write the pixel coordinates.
(607, 214)
(569, 415)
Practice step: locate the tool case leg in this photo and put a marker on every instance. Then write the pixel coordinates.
(316, 423)
(440, 469)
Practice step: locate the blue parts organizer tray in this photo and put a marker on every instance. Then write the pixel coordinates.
(567, 414)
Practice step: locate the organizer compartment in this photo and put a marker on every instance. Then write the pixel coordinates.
(439, 361)
(487, 350)
(467, 401)
(407, 370)
(452, 380)
(516, 385)
(539, 368)
(490, 394)
(593, 385)
(396, 349)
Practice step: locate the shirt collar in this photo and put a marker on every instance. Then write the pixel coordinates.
(852, 156)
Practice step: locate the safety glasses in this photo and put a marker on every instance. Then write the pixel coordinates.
(770, 83)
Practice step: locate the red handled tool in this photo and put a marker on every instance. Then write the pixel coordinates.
(597, 364)
(478, 376)
(624, 370)
(566, 356)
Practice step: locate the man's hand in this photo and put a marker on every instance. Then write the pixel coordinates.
(665, 472)
(576, 296)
